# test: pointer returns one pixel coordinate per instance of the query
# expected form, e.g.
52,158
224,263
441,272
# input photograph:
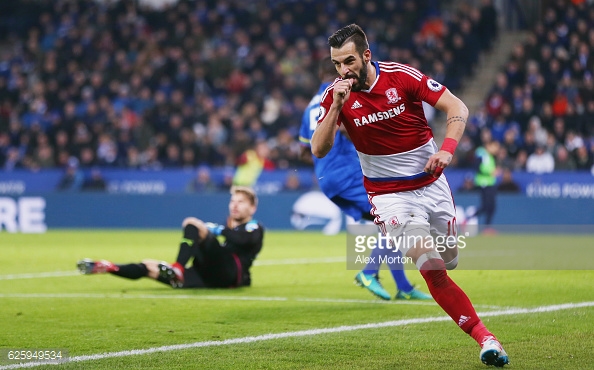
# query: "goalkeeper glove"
216,229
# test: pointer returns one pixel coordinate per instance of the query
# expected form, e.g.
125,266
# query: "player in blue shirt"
340,178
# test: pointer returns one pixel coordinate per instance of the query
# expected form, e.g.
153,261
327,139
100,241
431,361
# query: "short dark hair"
353,33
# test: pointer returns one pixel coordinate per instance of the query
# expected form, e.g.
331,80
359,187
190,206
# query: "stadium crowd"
199,83
541,107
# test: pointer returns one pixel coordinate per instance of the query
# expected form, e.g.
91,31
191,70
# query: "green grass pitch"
302,292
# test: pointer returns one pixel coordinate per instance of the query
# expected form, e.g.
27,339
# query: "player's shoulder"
400,70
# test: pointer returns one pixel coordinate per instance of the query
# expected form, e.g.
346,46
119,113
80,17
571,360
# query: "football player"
379,103
341,180
214,265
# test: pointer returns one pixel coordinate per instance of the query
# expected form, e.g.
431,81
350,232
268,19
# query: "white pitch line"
278,262
303,333
228,298
35,275
299,261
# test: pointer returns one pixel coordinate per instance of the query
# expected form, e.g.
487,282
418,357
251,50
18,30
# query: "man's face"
241,209
351,65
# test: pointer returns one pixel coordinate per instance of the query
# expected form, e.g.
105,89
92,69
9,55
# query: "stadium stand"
541,106
196,83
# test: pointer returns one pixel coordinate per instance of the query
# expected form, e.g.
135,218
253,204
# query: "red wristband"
449,145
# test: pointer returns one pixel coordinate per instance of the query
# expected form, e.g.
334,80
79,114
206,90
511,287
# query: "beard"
359,81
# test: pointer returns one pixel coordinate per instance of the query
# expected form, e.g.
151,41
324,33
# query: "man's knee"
452,264
192,221
194,228
449,254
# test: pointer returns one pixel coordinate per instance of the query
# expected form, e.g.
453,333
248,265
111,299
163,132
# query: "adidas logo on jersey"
463,319
356,105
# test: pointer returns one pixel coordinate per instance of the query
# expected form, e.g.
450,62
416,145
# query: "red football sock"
480,332
452,299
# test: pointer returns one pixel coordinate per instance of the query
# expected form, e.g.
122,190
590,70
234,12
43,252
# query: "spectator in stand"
172,156
72,179
521,159
563,161
468,185
583,158
132,86
487,25
540,161
507,183
202,181
549,76
511,142
95,182
293,183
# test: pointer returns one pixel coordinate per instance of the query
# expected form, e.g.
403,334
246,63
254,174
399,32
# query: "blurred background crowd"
541,107
198,83
87,83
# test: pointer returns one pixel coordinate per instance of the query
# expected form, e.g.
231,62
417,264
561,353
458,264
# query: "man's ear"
367,56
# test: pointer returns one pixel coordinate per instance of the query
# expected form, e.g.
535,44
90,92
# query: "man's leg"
405,289
217,266
193,278
489,201
369,276
194,231
157,270
395,261
403,214
452,299
133,271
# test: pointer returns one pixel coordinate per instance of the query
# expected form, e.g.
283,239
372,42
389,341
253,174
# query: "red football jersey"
388,127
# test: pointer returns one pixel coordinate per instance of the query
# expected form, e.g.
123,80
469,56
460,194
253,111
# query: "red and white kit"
390,132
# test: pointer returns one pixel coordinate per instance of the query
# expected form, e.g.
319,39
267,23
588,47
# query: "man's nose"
344,70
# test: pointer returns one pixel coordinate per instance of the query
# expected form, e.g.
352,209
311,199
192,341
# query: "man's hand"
323,136
216,229
438,162
342,91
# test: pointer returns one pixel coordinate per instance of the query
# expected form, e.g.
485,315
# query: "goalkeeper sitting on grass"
214,265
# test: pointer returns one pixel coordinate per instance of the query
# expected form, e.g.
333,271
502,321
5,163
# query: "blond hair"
247,191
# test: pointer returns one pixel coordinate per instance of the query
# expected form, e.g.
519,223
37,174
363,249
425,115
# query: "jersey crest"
392,95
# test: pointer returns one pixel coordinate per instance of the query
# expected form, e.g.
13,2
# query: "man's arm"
457,114
323,137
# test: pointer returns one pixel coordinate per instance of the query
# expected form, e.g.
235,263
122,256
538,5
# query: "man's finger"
438,171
